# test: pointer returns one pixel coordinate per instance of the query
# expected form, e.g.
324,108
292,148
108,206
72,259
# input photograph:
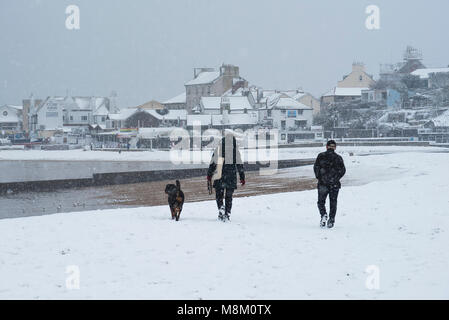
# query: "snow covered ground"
283,153
397,225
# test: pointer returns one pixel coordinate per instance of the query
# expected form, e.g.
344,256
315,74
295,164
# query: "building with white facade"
69,112
10,119
289,116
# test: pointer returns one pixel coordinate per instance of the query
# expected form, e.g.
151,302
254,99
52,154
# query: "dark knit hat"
331,142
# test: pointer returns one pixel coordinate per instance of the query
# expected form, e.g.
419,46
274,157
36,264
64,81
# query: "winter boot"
227,216
221,213
330,223
323,220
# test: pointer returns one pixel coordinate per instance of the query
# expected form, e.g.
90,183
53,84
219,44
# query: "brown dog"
175,199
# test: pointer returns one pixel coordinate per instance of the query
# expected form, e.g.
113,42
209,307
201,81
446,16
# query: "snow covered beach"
272,249
283,153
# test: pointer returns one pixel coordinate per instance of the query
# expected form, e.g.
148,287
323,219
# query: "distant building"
289,116
389,98
146,118
66,113
308,100
151,105
350,88
175,103
299,95
10,119
230,111
337,94
437,129
433,77
412,60
209,82
358,78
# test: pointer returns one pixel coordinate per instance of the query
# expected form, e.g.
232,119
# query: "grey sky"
146,49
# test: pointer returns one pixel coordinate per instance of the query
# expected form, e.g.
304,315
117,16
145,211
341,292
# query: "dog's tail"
178,185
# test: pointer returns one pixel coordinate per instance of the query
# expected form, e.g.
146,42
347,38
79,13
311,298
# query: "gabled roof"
290,103
283,101
180,98
101,111
123,114
235,102
150,105
204,78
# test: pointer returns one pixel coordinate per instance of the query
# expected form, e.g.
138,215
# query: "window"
103,119
283,124
291,114
361,78
299,111
51,114
83,118
269,113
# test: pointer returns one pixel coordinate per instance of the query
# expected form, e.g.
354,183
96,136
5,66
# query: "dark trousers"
323,192
219,194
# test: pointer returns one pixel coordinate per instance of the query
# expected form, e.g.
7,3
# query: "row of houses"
405,101
220,98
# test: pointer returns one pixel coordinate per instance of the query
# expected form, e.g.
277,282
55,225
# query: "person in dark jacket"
223,173
329,169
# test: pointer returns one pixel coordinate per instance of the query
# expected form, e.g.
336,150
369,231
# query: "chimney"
358,66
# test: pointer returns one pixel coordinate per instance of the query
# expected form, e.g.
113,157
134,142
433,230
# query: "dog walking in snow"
175,199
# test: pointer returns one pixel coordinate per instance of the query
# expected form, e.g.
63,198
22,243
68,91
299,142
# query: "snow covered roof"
337,91
424,73
235,102
283,101
171,115
89,103
290,103
204,78
298,95
180,98
122,115
442,120
102,111
15,107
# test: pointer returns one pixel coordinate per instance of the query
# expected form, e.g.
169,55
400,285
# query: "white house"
56,113
50,114
229,104
10,119
287,115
